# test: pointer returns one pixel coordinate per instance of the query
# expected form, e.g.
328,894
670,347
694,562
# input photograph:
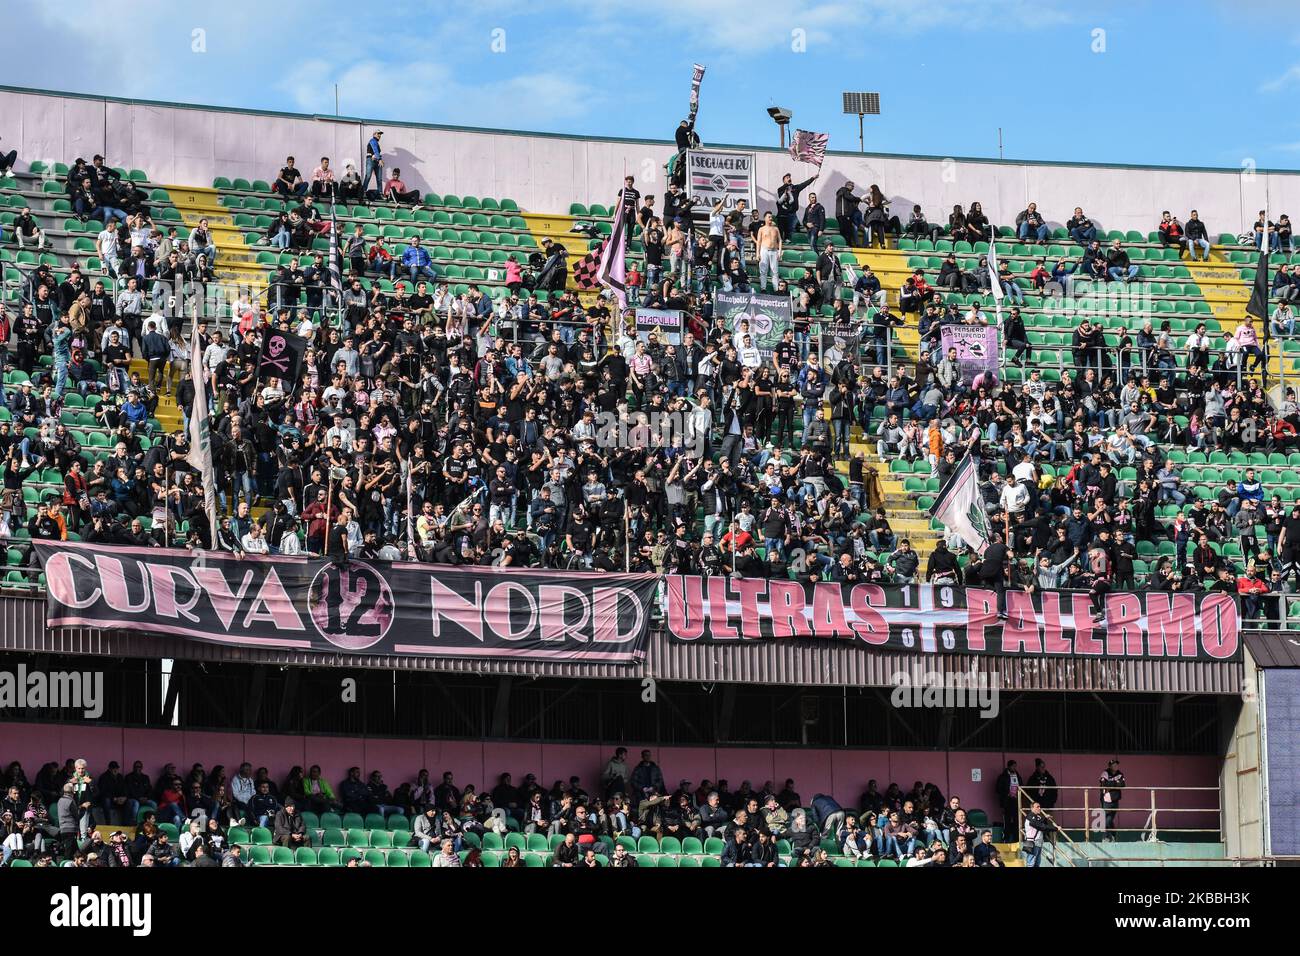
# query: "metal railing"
1096,817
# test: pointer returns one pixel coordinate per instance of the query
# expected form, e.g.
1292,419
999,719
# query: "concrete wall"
843,773
191,145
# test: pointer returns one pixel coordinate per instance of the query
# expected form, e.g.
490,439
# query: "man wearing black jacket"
847,213
787,203
676,205
1008,786
1042,785
942,562
992,572
1197,236
119,808
814,220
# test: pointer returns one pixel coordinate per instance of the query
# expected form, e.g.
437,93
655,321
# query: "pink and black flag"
613,266
586,273
808,147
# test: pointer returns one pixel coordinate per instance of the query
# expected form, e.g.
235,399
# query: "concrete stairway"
236,263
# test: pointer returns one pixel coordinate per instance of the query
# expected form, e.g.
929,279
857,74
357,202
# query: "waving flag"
995,284
613,266
808,147
587,272
336,275
696,78
1258,304
200,453
960,506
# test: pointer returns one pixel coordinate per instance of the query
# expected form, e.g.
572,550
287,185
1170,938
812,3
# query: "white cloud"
430,92
1278,83
748,26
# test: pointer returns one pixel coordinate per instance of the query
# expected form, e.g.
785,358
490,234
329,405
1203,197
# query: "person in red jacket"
1250,586
1171,231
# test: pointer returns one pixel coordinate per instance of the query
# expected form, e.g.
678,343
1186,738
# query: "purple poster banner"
977,349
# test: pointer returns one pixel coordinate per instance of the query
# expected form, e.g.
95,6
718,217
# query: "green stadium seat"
282,856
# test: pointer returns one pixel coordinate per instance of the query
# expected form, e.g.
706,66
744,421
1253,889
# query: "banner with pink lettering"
399,608
943,619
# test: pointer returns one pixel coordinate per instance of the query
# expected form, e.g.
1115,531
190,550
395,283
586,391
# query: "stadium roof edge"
364,120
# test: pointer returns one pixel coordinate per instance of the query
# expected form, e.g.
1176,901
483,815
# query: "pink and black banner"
399,608
291,603
944,619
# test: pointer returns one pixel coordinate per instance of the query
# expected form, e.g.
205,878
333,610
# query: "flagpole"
336,274
410,520
1265,321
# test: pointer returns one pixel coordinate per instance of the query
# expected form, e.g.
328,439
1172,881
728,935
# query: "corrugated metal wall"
791,663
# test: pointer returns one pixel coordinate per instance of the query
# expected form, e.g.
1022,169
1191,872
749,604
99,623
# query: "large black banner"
944,619
376,608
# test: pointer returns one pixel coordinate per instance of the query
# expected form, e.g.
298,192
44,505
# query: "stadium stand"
486,256
121,819
1127,438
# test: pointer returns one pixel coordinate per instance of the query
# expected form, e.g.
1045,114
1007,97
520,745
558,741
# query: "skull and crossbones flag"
282,354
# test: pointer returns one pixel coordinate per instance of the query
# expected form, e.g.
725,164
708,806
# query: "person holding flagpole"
787,202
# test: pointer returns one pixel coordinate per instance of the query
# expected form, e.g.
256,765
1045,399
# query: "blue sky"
1208,83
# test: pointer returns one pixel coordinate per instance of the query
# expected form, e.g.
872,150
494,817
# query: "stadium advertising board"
320,605
713,174
953,620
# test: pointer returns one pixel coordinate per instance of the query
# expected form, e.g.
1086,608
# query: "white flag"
994,281
961,509
200,454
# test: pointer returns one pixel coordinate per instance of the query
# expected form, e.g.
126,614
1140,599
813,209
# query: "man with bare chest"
769,252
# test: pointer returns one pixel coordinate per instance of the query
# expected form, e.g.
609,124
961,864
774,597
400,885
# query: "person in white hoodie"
289,542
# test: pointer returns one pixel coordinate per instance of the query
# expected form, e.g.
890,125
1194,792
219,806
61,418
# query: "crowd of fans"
530,430
197,818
